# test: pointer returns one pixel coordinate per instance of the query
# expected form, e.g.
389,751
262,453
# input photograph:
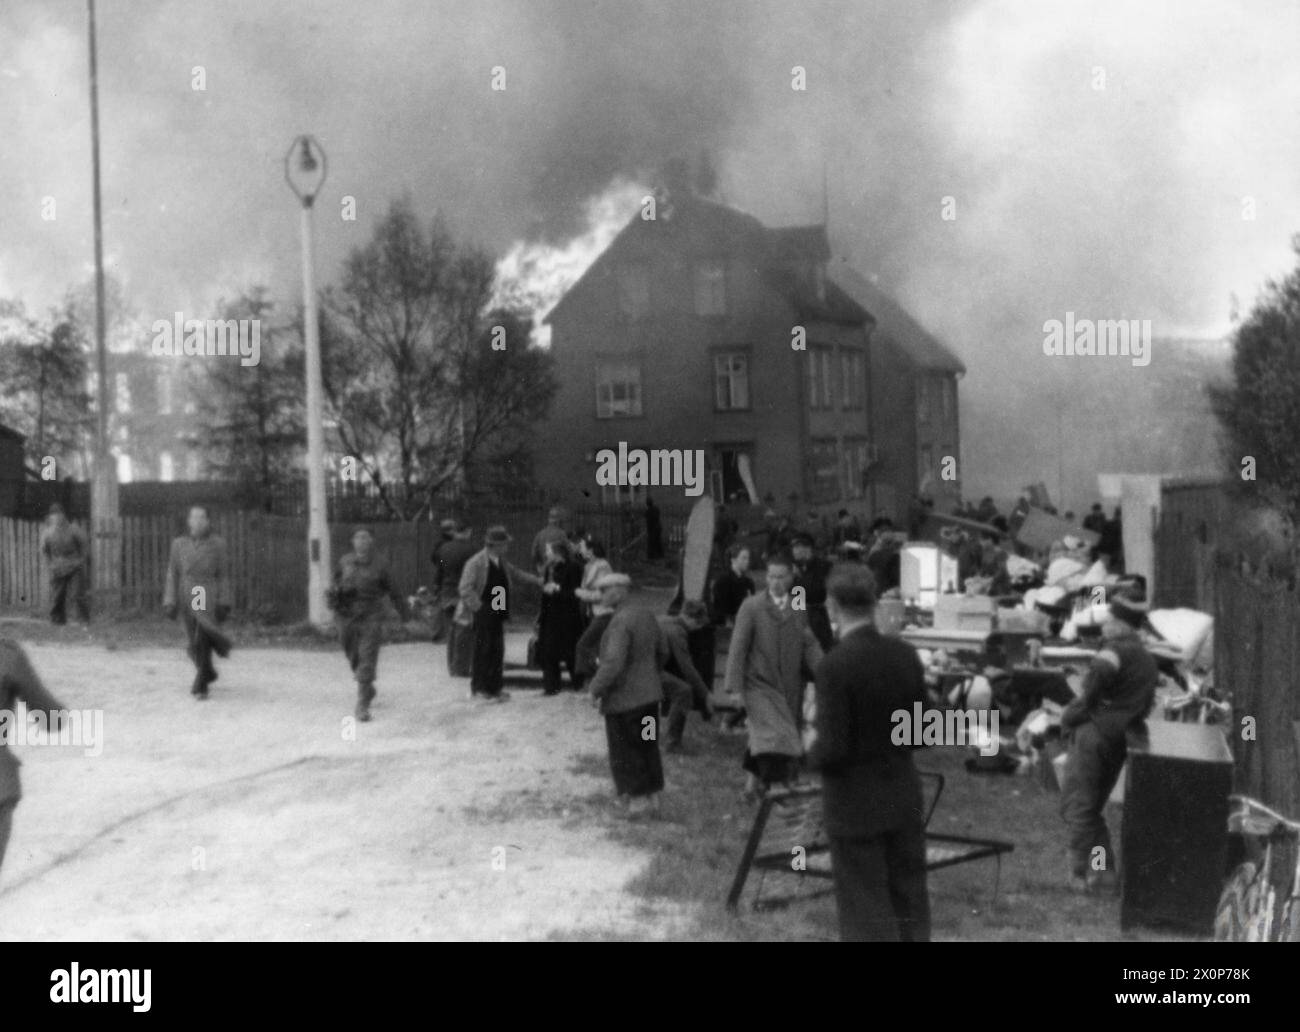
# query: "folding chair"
789,827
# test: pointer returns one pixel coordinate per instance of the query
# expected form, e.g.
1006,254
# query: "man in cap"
628,690
1118,693
361,583
197,586
485,587
65,549
18,683
451,557
553,531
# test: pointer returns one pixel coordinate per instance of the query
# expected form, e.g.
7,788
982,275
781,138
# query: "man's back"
870,784
632,653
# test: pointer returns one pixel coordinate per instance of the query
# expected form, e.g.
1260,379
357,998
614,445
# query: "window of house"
855,467
711,288
164,394
634,291
122,392
853,374
731,381
124,469
949,399
925,464
618,389
192,466
166,468
923,398
821,389
824,463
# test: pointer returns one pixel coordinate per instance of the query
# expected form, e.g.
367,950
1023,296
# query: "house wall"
676,348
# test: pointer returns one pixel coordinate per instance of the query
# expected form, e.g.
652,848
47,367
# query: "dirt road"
267,814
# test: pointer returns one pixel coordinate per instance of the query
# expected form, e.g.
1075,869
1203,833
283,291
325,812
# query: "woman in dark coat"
559,626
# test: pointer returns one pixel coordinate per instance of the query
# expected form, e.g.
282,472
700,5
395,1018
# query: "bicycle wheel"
1289,929
1233,912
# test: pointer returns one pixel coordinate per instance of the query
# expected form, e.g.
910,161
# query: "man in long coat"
773,654
486,585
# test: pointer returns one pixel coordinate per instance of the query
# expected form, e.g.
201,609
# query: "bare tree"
429,388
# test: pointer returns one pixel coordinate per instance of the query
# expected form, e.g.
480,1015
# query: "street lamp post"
304,170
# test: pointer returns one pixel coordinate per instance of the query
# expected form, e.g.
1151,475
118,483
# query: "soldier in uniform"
18,681
198,587
361,583
65,549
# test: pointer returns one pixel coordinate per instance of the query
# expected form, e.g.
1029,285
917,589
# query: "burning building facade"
700,328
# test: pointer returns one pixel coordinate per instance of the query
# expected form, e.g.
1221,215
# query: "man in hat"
197,586
451,558
485,587
810,572
553,531
361,583
1118,693
18,683
65,549
628,690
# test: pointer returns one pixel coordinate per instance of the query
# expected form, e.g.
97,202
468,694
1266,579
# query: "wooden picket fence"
267,554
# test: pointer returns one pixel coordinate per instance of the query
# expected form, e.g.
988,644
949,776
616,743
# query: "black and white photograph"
717,471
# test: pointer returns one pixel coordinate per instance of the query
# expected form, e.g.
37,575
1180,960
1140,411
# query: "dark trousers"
73,584
460,648
487,669
819,622
1091,771
6,825
362,637
681,699
199,651
880,889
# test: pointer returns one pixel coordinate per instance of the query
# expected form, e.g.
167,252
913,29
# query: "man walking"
451,558
198,587
684,686
486,584
361,583
870,789
65,549
1118,693
628,691
18,683
772,654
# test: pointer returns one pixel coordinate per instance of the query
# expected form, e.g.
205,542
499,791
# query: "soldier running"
196,577
361,583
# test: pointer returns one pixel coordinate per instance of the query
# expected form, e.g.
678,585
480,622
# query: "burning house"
701,328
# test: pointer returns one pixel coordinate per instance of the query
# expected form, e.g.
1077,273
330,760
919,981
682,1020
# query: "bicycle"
1247,910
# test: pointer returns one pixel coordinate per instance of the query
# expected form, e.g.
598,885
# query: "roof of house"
734,231
11,433
918,344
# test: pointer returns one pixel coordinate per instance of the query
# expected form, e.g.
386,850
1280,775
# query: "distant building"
12,470
704,329
151,415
